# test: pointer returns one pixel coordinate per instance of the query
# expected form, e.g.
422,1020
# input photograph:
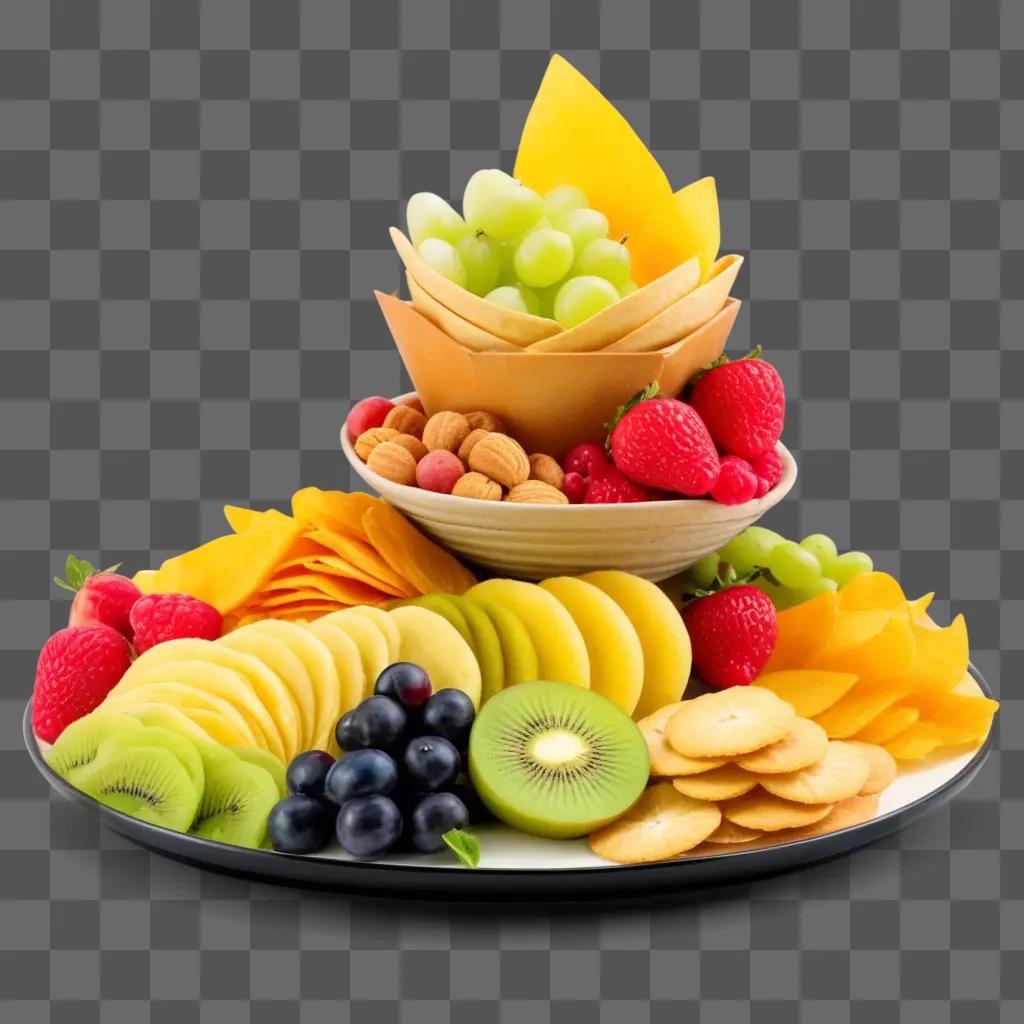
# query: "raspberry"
157,618
736,483
575,488
768,466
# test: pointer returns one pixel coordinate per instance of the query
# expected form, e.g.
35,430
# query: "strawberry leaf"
754,353
725,579
651,391
77,571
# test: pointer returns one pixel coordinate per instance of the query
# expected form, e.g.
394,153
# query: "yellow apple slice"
370,640
663,637
561,651
435,645
347,663
382,621
616,657
168,717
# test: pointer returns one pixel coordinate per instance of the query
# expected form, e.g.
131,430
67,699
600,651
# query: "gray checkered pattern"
193,208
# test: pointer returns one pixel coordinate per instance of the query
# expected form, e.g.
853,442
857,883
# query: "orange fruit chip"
958,717
664,760
882,766
940,656
873,644
914,743
348,553
337,511
802,631
916,609
765,812
810,691
662,824
862,705
803,745
887,724
729,722
335,588
873,590
839,774
720,784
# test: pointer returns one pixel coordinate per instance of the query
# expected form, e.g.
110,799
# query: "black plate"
434,883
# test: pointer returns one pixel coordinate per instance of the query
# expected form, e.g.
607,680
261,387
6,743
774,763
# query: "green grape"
441,255
581,297
819,586
583,227
481,190
521,299
849,565
628,288
543,257
480,257
531,297
506,258
822,547
500,206
792,566
429,216
607,259
546,298
562,199
750,549
704,571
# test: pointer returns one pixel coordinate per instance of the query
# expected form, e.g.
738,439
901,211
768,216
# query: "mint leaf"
465,846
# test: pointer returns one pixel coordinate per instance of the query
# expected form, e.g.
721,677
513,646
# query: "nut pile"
468,455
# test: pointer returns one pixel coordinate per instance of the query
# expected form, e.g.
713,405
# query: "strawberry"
613,487
736,483
160,617
663,443
78,666
743,404
768,467
101,598
732,632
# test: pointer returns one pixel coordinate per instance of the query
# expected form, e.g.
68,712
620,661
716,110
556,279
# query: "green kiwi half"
180,746
79,744
556,760
265,759
236,801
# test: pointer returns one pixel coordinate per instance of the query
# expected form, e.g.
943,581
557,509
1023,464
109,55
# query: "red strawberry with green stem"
101,597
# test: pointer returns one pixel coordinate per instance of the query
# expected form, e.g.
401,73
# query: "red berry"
574,487
366,415
736,482
587,459
77,668
157,618
439,470
613,487
762,487
101,598
768,466
732,633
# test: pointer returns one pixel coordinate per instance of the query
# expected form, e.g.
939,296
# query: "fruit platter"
556,654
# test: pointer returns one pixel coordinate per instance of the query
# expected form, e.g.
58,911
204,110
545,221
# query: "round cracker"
760,810
662,824
839,774
720,784
729,722
882,766
802,746
729,833
664,760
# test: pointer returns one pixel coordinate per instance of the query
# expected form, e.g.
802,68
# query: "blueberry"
434,815
307,772
406,683
300,824
369,826
361,773
449,713
381,722
431,763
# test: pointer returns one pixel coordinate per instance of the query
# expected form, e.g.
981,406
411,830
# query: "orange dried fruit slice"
940,657
914,743
358,559
337,511
729,722
765,812
887,724
916,609
720,784
802,631
803,745
872,644
882,766
662,824
873,590
958,717
861,706
810,691
664,760
839,774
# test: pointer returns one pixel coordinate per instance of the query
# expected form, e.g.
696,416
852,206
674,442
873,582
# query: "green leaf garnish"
464,845
78,570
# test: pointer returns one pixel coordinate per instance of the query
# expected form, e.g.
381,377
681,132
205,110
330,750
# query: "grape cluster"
397,780
547,255
795,572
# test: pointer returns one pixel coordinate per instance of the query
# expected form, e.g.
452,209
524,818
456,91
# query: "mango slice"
957,718
941,656
875,644
888,724
914,743
802,631
863,704
810,691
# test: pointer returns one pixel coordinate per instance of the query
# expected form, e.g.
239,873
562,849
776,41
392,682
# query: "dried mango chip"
916,609
338,511
863,704
363,556
426,566
872,590
336,588
890,723
941,655
957,717
301,612
242,519
914,743
875,644
810,691
802,631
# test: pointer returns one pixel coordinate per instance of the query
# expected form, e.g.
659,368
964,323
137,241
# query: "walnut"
393,462
445,430
501,458
406,420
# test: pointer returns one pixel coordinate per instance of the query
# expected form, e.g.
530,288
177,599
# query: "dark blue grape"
307,772
382,722
431,763
360,773
300,824
434,815
369,827
406,683
350,733
449,713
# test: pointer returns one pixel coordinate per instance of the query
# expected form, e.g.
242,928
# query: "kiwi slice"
265,759
166,739
235,804
556,760
148,783
79,744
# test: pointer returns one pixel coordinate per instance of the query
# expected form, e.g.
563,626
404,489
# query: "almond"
471,439
485,421
536,492
445,430
413,445
501,458
545,468
369,439
393,462
406,420
476,485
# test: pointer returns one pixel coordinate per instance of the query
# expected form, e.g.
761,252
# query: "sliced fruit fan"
335,677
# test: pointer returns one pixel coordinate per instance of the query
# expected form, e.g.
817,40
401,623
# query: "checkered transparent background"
193,208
